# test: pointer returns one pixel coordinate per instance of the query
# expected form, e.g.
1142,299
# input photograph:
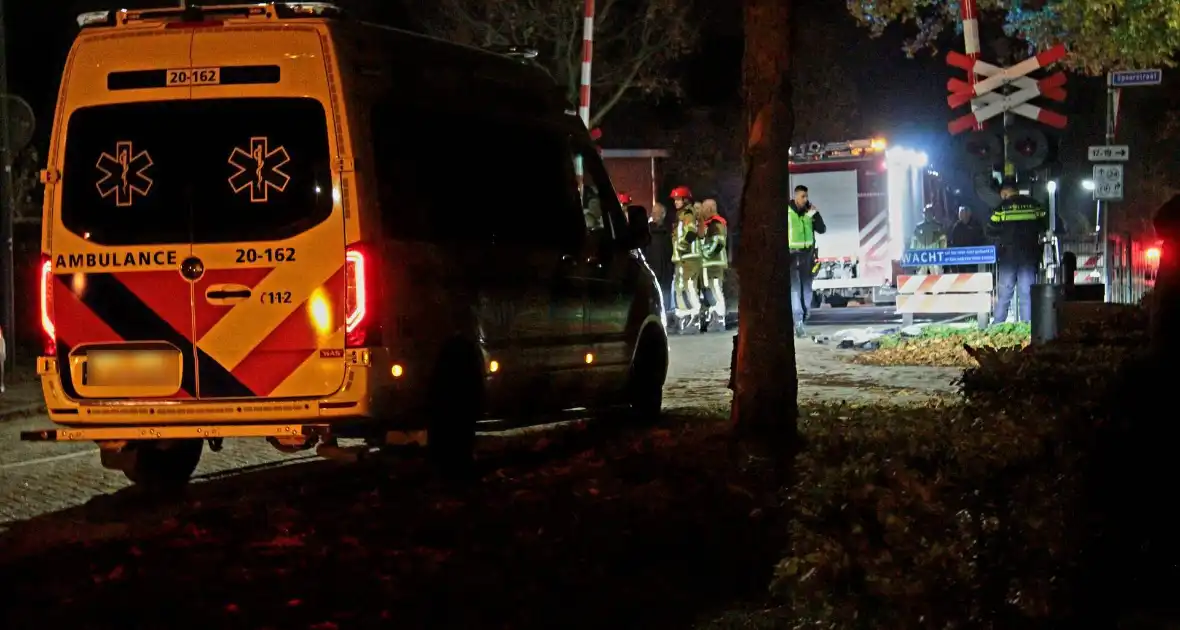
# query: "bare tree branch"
634,40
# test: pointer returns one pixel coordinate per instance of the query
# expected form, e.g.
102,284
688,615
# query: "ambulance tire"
159,464
649,370
454,406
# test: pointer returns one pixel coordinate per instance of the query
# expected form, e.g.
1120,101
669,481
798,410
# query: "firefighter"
714,262
686,256
681,198
929,235
1016,227
803,223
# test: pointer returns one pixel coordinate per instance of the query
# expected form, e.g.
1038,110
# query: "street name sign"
1110,153
1108,182
1135,78
982,255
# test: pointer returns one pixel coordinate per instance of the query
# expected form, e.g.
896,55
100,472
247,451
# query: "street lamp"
1088,184
1052,187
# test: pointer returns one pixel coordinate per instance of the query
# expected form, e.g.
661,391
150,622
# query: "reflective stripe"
800,233
1019,213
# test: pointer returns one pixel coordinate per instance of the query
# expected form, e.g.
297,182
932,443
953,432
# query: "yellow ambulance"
273,221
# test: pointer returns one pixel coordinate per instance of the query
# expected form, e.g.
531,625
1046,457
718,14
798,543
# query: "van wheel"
161,463
454,406
649,369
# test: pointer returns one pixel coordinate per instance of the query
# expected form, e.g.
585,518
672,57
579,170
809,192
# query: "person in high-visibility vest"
803,223
714,262
1016,227
686,255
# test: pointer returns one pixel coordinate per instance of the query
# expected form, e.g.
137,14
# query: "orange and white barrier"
945,293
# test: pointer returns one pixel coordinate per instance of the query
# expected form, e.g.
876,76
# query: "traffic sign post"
1108,182
1110,153
1113,191
1136,78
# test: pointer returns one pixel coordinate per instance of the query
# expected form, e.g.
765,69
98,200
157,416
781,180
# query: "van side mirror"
638,231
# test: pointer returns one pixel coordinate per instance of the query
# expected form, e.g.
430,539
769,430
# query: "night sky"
901,98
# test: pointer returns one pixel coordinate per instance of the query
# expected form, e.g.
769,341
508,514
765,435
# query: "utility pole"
1112,112
7,198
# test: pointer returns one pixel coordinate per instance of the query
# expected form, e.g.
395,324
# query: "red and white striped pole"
970,15
587,56
584,90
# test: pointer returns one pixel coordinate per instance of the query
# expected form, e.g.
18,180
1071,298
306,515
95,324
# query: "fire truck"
871,197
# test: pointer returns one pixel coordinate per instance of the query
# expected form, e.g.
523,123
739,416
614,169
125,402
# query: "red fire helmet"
681,192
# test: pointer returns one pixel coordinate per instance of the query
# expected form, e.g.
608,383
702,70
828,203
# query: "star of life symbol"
124,174
259,169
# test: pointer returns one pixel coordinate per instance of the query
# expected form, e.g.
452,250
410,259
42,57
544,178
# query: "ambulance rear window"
202,171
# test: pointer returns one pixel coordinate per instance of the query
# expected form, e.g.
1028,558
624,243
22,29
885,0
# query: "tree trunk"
765,405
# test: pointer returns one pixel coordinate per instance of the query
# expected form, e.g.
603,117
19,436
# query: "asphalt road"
40,478
37,478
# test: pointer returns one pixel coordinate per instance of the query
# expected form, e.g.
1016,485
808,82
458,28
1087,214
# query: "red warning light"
1153,254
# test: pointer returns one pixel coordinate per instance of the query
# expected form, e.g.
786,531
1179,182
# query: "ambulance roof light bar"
815,151
281,10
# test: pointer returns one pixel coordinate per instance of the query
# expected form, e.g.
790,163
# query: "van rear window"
205,171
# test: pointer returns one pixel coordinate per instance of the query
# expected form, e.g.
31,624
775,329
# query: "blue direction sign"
1135,78
982,255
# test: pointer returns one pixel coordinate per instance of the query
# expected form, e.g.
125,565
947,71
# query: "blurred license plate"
132,368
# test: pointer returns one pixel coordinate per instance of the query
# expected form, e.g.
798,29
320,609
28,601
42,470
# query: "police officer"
714,262
1016,227
803,223
686,256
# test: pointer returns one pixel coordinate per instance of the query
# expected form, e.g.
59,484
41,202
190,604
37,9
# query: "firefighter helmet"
681,192
624,199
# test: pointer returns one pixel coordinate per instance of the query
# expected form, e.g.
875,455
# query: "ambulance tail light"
361,326
48,326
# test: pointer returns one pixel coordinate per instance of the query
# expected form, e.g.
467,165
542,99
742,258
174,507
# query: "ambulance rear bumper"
111,434
261,417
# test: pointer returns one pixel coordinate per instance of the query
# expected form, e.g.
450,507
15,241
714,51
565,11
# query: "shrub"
986,513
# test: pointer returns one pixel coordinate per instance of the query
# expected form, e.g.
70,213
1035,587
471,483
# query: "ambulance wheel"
817,300
454,406
649,370
161,463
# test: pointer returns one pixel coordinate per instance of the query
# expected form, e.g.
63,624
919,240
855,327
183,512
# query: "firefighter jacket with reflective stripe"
713,249
801,229
928,235
1016,227
686,245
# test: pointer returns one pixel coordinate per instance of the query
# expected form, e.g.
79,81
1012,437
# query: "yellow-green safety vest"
1018,212
800,234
